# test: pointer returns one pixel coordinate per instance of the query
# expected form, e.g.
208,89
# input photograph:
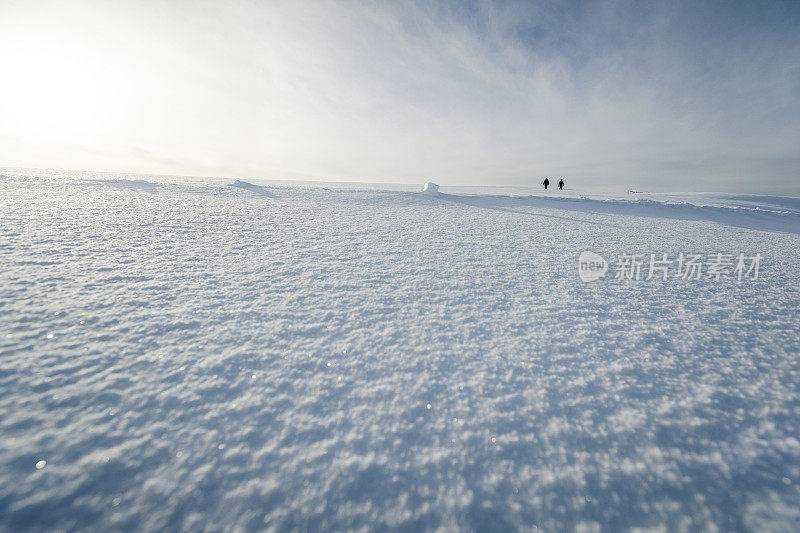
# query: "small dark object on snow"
546,182
560,184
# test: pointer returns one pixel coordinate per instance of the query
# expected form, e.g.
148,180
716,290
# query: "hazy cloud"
610,95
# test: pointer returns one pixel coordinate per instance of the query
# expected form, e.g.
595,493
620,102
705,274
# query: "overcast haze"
611,95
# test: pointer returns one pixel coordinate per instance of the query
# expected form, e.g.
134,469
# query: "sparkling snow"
190,354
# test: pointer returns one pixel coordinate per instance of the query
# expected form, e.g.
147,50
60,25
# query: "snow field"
190,355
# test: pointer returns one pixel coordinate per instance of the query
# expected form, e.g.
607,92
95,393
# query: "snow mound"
431,188
258,189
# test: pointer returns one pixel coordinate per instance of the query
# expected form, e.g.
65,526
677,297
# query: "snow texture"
179,354
431,188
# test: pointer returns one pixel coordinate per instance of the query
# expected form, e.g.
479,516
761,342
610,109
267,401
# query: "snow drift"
258,189
430,188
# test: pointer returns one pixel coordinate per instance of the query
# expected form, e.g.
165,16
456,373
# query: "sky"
652,96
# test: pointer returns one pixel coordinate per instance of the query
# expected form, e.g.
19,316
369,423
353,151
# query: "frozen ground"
200,356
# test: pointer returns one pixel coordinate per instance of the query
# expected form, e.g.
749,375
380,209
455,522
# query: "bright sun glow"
52,89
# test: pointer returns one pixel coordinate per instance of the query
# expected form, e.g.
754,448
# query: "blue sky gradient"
610,95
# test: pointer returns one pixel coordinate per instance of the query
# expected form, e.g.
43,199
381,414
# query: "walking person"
546,182
560,184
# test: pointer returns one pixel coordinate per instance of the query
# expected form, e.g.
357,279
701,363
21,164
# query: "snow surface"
179,354
431,188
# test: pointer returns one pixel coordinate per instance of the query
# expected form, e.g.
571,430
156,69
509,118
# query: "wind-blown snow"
189,355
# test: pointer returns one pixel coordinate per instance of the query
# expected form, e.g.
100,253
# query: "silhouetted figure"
546,182
560,184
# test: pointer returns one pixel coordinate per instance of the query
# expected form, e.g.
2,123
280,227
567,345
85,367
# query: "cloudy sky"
609,95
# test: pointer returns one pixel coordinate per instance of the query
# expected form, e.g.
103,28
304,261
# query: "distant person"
560,184
546,182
